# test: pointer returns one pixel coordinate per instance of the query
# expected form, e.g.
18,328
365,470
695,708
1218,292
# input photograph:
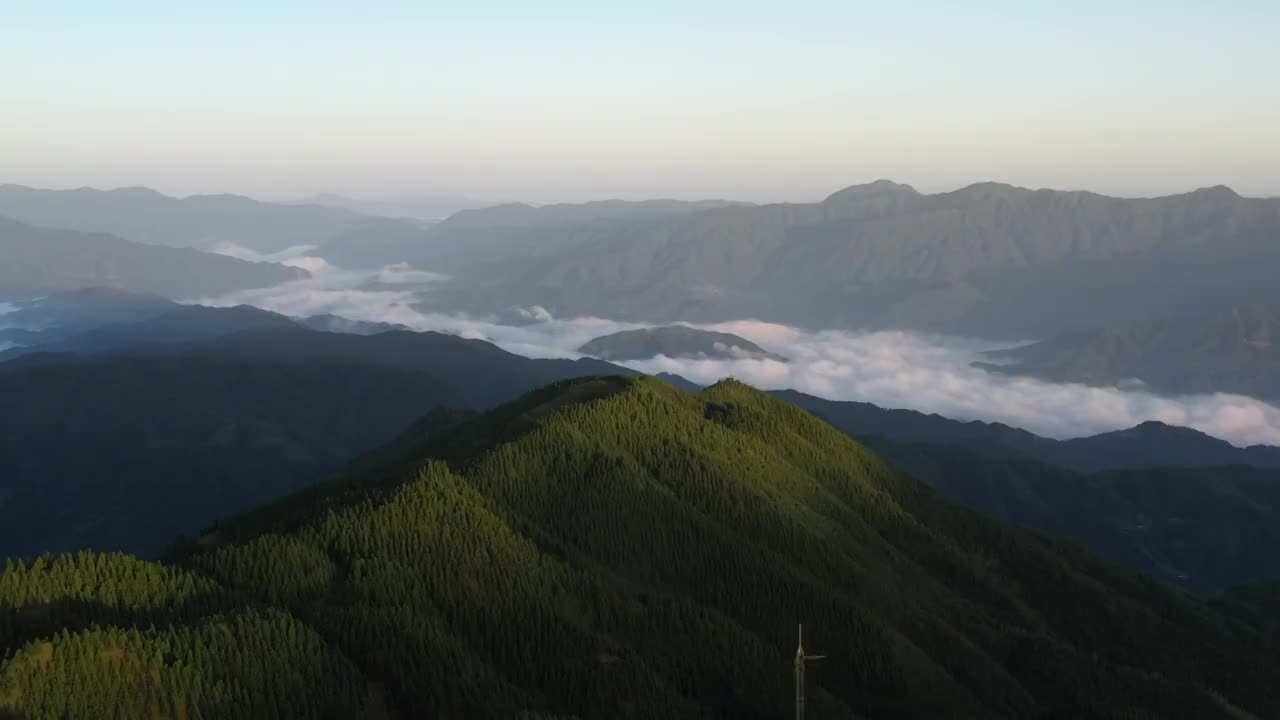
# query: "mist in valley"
930,373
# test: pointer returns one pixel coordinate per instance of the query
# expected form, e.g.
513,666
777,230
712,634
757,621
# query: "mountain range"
989,260
621,548
428,208
145,216
37,259
472,240
1230,350
1149,444
986,260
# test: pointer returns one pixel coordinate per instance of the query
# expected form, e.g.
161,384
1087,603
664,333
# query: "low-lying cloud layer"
405,274
892,369
241,252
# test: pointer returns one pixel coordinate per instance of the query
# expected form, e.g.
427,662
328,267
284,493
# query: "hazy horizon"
572,101
464,200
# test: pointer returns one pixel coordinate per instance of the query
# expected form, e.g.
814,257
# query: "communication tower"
801,659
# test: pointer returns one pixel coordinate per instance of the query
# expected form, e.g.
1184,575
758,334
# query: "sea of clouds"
892,369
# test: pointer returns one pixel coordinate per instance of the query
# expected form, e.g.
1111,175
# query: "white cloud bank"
890,369
405,274
241,252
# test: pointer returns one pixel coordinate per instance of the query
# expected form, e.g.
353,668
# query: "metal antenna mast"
801,658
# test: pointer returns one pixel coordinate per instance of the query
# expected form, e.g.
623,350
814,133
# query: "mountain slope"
55,316
134,639
126,453
990,260
167,331
619,548
418,207
202,221
123,436
482,373
38,258
1232,350
475,239
1201,528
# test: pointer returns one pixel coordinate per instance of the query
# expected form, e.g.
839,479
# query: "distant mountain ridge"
418,207
146,216
474,239
1232,350
94,320
44,259
988,260
1149,444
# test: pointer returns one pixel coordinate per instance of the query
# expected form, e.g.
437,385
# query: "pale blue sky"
574,100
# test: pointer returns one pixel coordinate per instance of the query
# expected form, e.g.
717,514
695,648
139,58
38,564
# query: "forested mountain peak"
617,547
652,549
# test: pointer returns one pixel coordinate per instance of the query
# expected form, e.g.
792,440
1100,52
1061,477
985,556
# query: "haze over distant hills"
476,239
419,207
201,221
1230,350
35,258
989,259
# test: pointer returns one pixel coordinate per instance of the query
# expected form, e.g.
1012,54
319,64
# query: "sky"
568,101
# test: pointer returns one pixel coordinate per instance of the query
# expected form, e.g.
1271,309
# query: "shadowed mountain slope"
42,259
1150,444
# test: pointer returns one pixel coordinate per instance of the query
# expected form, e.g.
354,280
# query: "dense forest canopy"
620,548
